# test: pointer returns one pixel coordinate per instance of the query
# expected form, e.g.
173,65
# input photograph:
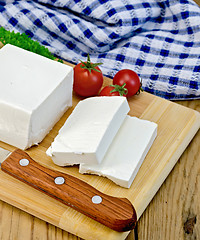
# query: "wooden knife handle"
115,213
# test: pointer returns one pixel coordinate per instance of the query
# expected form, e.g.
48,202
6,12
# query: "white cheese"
89,131
126,153
34,94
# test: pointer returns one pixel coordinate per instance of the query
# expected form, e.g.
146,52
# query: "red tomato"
107,91
113,90
88,78
131,79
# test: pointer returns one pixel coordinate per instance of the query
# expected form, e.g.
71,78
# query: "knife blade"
114,212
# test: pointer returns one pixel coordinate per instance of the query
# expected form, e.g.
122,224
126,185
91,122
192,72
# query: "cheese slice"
126,153
34,93
89,131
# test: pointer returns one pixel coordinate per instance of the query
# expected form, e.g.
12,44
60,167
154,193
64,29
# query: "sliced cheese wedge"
34,93
126,153
89,130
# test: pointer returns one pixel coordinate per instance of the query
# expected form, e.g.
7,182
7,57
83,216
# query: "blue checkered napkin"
160,40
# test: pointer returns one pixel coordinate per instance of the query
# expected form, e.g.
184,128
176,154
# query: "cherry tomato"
131,79
88,78
113,90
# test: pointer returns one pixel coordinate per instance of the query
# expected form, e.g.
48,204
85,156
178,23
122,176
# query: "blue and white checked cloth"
160,40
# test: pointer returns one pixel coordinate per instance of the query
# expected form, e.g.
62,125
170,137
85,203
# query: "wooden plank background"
162,213
174,212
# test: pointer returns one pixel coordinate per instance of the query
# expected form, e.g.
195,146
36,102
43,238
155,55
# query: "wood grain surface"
174,212
177,126
115,213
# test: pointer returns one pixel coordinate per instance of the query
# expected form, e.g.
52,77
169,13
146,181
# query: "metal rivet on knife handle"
24,162
114,212
96,199
59,180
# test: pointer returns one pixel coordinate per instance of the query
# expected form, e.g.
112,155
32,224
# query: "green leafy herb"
60,60
25,42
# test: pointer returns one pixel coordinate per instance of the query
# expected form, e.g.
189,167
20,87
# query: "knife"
115,213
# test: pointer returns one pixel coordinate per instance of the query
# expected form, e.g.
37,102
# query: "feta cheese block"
34,93
126,153
89,131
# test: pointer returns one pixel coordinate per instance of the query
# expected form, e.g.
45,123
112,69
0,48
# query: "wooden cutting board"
177,125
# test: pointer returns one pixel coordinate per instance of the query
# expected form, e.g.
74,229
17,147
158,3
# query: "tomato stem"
120,89
140,89
90,66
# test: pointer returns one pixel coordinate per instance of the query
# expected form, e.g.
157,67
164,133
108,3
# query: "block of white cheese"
126,153
34,94
89,131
